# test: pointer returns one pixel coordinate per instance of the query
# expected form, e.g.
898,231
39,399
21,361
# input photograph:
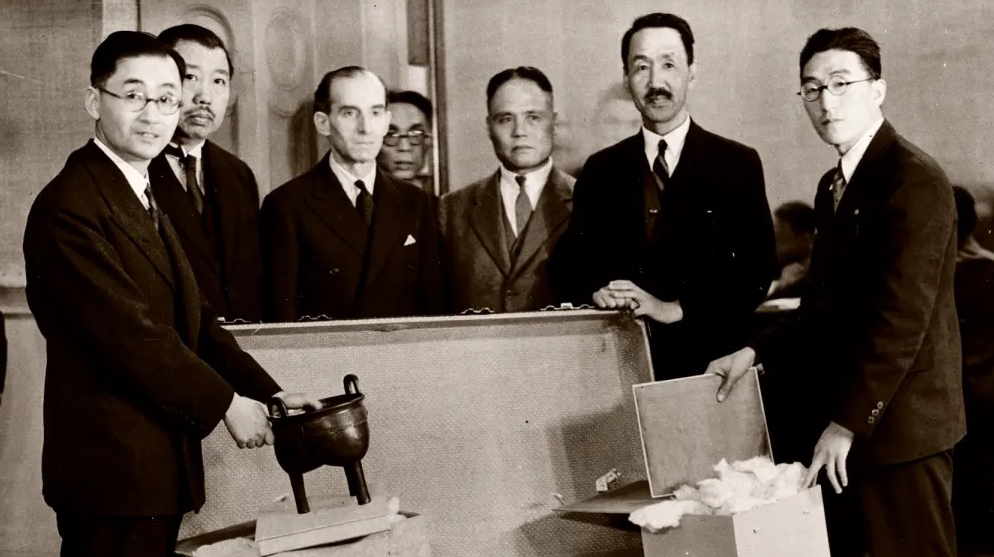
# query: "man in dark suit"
346,240
210,195
673,222
138,370
497,233
878,341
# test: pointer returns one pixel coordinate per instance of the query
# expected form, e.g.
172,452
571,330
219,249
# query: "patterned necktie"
660,168
522,206
838,186
153,207
364,203
189,163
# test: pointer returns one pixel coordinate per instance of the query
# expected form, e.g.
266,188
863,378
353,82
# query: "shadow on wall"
616,118
303,153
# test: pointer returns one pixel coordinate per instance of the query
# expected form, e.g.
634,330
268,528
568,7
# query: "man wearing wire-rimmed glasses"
407,145
138,370
877,347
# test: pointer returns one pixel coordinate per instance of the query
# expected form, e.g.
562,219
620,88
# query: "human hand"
642,303
731,368
248,423
296,401
605,300
831,452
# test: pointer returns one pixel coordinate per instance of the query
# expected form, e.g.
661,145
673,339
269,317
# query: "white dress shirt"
180,170
136,180
851,159
675,140
347,179
534,182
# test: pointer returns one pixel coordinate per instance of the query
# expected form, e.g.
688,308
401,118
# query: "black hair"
196,34
848,38
798,215
966,212
322,95
414,98
120,45
530,73
658,19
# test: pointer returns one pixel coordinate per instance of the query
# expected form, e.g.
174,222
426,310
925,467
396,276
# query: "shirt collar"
675,140
348,180
136,180
535,178
850,160
196,150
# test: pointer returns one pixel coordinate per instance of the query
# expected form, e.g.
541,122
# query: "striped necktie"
838,185
153,207
660,168
522,206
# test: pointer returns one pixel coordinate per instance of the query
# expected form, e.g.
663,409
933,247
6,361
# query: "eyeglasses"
836,86
136,101
416,137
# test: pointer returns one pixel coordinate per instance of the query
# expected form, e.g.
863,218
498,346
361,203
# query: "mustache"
202,111
657,92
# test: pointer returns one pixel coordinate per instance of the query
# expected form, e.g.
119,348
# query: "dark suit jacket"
712,248
228,266
480,271
138,369
315,248
878,333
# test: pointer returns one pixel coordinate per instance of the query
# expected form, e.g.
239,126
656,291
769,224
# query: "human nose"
519,128
404,143
201,94
656,77
150,114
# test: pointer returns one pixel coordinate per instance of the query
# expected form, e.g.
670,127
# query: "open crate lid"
685,431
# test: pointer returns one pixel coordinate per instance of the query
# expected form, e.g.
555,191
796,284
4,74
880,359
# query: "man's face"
658,77
521,123
404,160
357,120
136,136
206,89
841,120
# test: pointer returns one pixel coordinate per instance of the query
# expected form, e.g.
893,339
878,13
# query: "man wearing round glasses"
138,370
878,338
407,144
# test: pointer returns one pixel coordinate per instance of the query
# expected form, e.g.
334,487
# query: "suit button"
880,405
870,420
874,412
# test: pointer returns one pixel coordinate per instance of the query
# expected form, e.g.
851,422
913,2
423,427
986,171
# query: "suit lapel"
691,156
172,198
388,213
551,212
864,170
216,174
330,203
487,223
127,210
188,290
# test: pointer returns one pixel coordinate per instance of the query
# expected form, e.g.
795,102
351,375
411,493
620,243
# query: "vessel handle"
353,381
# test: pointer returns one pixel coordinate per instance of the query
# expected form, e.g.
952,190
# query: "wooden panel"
483,423
685,431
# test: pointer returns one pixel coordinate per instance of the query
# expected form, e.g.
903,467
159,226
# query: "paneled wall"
934,60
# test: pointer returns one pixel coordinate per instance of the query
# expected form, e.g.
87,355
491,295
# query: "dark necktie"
153,207
364,203
660,168
838,185
189,163
522,205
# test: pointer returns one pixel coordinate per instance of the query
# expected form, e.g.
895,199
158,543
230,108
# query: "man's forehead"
151,71
657,41
406,114
199,56
358,90
831,62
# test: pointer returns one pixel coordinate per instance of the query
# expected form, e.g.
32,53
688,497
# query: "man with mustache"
671,223
346,240
498,232
210,194
875,351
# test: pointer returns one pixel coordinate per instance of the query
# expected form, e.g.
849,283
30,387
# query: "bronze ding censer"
335,435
